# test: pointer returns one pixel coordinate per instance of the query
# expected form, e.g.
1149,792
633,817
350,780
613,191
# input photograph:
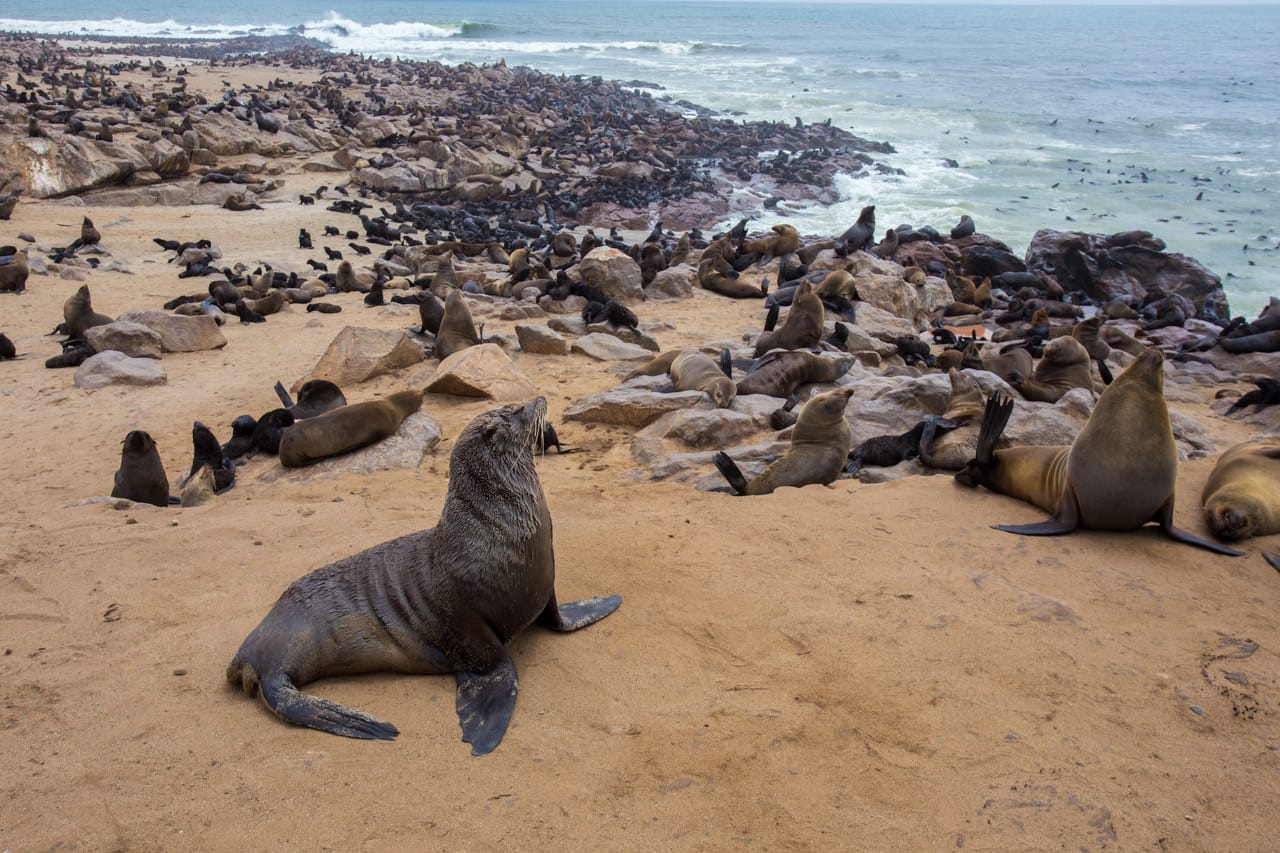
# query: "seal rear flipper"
285,399
726,363
1104,371
301,709
1164,517
1273,559
1064,520
577,614
485,703
730,471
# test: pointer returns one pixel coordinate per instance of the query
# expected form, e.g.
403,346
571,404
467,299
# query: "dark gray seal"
141,476
442,600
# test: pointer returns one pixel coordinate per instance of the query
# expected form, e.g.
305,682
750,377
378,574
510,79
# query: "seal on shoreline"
442,600
1242,496
1118,474
141,476
345,428
819,447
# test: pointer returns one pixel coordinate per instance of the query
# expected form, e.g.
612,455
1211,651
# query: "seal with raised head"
819,447
457,329
1065,366
803,326
345,428
953,449
79,315
141,476
442,600
1242,496
1118,474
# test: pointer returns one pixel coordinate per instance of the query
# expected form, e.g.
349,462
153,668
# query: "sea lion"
207,453
1267,394
779,374
7,349
141,476
346,279
784,240
345,428
952,450
885,451
269,429
442,600
267,305
88,233
819,447
1065,366
241,441
79,315
1088,333
691,370
860,234
1118,474
1261,342
888,247
801,329
457,330
14,272
1242,496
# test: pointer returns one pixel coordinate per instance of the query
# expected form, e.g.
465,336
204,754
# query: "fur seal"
241,441
1065,366
964,228
14,273
784,240
1261,342
952,450
79,315
779,374
1267,394
315,397
716,274
1242,496
207,453
457,330
7,349
819,447
442,600
345,428
141,476
860,234
1118,474
801,329
269,429
690,370
199,488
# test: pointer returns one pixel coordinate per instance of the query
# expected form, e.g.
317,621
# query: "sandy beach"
861,666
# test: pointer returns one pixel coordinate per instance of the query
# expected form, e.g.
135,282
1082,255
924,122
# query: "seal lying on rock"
1118,474
442,600
345,428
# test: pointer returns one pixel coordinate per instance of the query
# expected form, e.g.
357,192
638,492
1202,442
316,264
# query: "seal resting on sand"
442,600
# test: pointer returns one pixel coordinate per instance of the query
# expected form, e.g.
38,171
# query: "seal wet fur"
442,600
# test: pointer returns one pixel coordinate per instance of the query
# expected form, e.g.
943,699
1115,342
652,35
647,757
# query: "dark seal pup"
141,476
442,600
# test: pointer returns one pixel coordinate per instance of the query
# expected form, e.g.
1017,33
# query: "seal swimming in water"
442,600
1118,474
345,428
141,476
1242,496
819,447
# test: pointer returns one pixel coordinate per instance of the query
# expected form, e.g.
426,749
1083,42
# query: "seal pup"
345,428
140,477
819,447
207,453
79,315
241,441
7,349
442,600
457,330
1242,496
1118,474
1268,394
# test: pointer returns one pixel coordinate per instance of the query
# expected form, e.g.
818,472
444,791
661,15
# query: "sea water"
1098,118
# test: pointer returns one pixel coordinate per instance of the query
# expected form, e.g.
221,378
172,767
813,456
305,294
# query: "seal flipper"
729,469
301,709
1164,517
485,703
1103,371
726,363
285,399
1064,520
1273,559
577,614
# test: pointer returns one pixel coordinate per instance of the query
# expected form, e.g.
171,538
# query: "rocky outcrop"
178,333
358,354
116,368
132,339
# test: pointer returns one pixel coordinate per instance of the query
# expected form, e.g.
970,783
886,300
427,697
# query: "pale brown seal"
784,240
691,370
779,374
952,450
718,275
141,476
1118,474
442,600
79,315
1242,496
457,329
345,428
819,447
801,329
1064,366
14,273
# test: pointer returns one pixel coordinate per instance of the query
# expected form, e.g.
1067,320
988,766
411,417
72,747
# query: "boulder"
179,333
630,406
541,340
132,339
483,370
614,273
625,334
609,348
357,354
116,368
673,283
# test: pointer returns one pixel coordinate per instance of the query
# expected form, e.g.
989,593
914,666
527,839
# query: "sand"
853,667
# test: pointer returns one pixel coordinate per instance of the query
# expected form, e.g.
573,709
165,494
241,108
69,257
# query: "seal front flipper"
577,614
1273,559
1164,517
285,399
1064,520
301,709
485,703
730,471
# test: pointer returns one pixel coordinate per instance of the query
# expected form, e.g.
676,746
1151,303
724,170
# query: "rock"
699,427
1049,423
614,273
872,474
483,370
1261,363
522,312
570,305
568,325
673,283
541,340
609,348
417,436
116,368
132,339
179,333
629,406
881,323
625,334
358,354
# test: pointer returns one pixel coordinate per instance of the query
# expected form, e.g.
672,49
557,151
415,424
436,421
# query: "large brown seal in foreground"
819,448
1242,497
1118,474
345,428
441,600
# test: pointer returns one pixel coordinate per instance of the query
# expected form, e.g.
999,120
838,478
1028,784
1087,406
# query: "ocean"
1098,118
